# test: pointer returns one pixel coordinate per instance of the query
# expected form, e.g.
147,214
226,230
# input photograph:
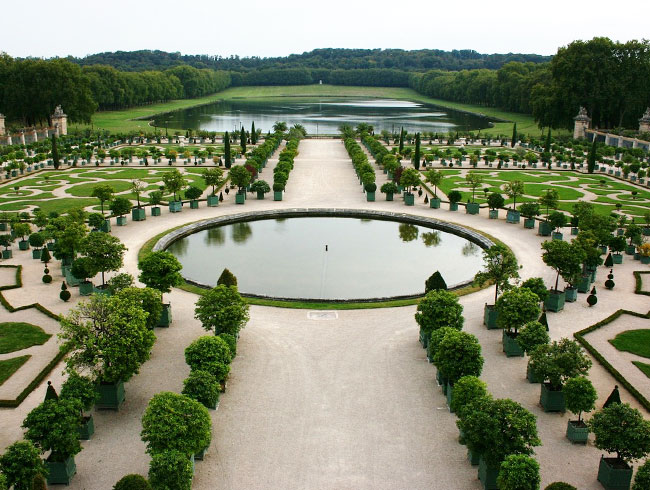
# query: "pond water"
327,258
321,115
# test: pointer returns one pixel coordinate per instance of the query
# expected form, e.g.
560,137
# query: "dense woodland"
610,79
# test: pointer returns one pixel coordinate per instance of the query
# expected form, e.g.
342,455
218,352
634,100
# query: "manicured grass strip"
85,190
645,368
65,204
15,336
10,366
580,337
634,341
638,286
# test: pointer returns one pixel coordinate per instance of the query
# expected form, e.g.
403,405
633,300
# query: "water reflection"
431,238
407,232
241,232
215,236
470,249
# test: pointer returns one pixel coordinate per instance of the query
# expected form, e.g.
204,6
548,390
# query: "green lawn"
645,368
634,341
123,121
16,336
86,190
10,366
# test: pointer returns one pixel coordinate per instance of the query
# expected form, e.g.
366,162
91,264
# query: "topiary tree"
120,206
560,485
621,429
202,387
105,252
537,286
132,482
642,478
519,472
170,470
513,190
435,282
231,340
239,177
80,388
227,278
409,179
557,220
174,182
95,220
559,361
222,310
45,254
474,181
260,186
64,294
193,193
566,258
120,281
173,422
458,355
454,196
433,341
149,299
495,201
516,307
532,335
439,308
210,354
433,177
500,267
580,395
36,239
467,390
20,463
529,209
103,192
213,177
161,271
108,336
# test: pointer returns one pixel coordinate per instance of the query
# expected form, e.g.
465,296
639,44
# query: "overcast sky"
49,28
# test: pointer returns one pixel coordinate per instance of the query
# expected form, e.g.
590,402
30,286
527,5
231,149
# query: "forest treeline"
608,78
328,58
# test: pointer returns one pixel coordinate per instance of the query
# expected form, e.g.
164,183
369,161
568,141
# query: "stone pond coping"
471,235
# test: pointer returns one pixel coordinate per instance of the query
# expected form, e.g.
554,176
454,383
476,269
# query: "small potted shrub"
557,220
532,335
20,464
549,200
389,188
260,187
278,189
193,193
36,240
566,258
174,182
82,269
370,189
6,241
154,199
619,429
555,363
515,307
171,470
642,478
617,245
529,210
132,482
580,396
213,177
138,212
439,308
21,230
495,202
468,391
474,181
222,310
513,190
83,389
119,207
203,387
409,179
500,266
454,198
161,271
519,472
434,177
210,354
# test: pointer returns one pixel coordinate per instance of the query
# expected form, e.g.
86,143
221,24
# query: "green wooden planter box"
370,196
424,339
138,214
510,346
494,214
409,199
106,226
617,258
389,196
277,195
87,428
434,203
490,315
630,249
545,228
86,288
577,432
557,235
36,253
613,475
155,211
574,231
555,301
260,195
584,283
23,245
121,221
240,198
3,226
532,376
194,204
453,206
645,260
111,395
7,253
551,401
60,472
473,457
200,455
102,290
513,216
166,316
472,208
450,395
213,201
70,279
529,223
570,294
175,206
487,475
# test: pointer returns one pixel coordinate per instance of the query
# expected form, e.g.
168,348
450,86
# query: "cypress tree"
514,135
416,156
401,141
591,158
547,145
226,149
253,134
242,140
55,152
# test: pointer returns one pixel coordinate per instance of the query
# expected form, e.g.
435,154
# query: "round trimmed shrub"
519,472
560,485
439,308
211,354
231,341
202,387
170,470
132,482
642,478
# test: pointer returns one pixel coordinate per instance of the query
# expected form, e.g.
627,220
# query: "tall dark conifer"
591,158
226,149
253,134
514,135
55,152
416,156
242,140
547,145
401,141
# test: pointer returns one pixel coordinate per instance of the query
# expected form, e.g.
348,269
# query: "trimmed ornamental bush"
96,220
83,268
389,188
161,271
47,279
566,258
80,388
20,463
560,485
439,308
150,300
458,355
52,426
170,470
495,201
435,282
64,294
559,361
193,193
119,282
105,252
173,422
227,278
231,341
621,429
211,354
467,390
120,206
580,395
454,196
222,310
642,478
45,255
532,335
132,482
519,472
537,286
500,266
436,338
202,387
529,209
36,239
516,307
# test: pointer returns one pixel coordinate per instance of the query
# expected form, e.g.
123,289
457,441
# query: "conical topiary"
64,294
435,282
227,278
614,397
609,261
543,320
51,393
592,299
45,255
46,276
609,283
426,199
